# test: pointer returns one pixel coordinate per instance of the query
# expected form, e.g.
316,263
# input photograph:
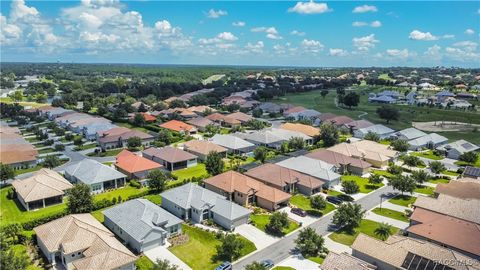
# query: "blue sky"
287,33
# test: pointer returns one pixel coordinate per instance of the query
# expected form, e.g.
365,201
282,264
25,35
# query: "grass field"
200,249
22,103
188,173
365,187
390,214
424,190
439,180
303,202
403,200
144,263
428,154
366,226
125,192
107,153
85,147
408,114
261,221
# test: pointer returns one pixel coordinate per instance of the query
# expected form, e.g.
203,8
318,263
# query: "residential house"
66,120
77,126
443,95
171,158
197,204
44,188
179,126
457,148
409,134
234,144
141,224
201,149
325,116
81,242
372,152
294,109
272,137
302,128
358,124
135,166
316,168
99,177
307,114
344,261
137,105
201,110
427,86
340,121
400,252
385,97
269,107
239,116
382,131
147,117
118,137
432,141
15,151
223,120
90,131
343,162
245,190
286,179
201,123
471,172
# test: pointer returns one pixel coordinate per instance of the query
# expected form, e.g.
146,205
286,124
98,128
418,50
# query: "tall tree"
388,113
351,99
51,161
134,142
231,247
138,120
384,230
6,172
277,222
79,199
310,243
157,180
350,187
400,145
163,265
374,179
214,163
260,154
329,134
348,216
372,136
402,183
436,167
420,176
318,202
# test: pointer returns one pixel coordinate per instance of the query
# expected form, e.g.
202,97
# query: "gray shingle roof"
271,135
90,171
229,210
411,133
462,146
310,166
231,142
432,137
139,217
378,129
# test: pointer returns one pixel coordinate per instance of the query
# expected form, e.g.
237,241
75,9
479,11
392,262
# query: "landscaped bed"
382,173
366,226
303,202
187,173
365,186
428,154
261,221
403,200
390,214
201,247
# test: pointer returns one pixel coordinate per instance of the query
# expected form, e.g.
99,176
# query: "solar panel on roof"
417,262
467,145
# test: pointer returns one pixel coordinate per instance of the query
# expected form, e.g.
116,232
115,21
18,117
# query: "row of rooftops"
14,148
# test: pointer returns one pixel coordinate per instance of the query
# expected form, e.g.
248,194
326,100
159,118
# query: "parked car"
267,264
334,200
298,211
224,266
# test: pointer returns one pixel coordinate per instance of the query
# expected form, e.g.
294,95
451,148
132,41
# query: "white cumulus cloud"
337,52
255,47
271,32
396,53
312,46
239,24
214,14
297,33
365,43
310,7
419,35
220,38
374,24
365,8
469,31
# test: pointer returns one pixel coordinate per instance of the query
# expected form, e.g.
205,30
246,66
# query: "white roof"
230,142
411,133
378,129
310,166
272,135
432,137
461,146
90,171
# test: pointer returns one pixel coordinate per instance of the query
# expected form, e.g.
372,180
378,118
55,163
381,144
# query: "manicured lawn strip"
382,173
450,173
33,169
366,226
365,186
303,202
125,192
427,154
424,190
283,268
318,260
154,198
85,147
390,214
107,153
130,126
200,249
98,215
46,150
32,140
144,263
384,142
12,211
261,221
463,163
332,192
187,173
439,180
21,251
403,200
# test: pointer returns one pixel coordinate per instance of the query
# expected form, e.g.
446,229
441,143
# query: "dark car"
267,264
224,266
298,211
334,200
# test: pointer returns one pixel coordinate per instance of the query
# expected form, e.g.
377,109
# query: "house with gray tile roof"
141,224
195,203
456,149
307,114
90,130
381,130
432,140
272,137
269,107
316,168
234,144
98,176
409,134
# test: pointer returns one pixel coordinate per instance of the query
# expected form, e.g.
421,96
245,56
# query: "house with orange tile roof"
179,126
302,128
135,166
146,116
343,162
245,190
240,116
15,151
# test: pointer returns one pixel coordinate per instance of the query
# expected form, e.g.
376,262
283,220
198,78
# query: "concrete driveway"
162,253
304,220
378,218
299,262
257,236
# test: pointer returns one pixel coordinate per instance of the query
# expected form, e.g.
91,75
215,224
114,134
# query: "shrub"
135,184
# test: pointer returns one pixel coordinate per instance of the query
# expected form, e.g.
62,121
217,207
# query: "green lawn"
144,263
384,142
21,251
46,150
154,198
424,190
382,173
200,249
318,260
450,173
303,202
428,154
261,221
403,200
125,192
332,192
187,173
130,126
85,147
107,153
365,187
33,169
391,214
283,268
12,211
32,140
463,163
98,215
439,180
366,226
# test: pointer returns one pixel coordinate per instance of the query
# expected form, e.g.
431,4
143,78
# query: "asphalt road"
280,250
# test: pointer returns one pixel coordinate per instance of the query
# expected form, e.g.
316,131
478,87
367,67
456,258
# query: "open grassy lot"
125,192
144,263
303,202
463,163
365,187
108,153
12,211
390,214
403,200
366,226
428,154
261,221
85,147
22,103
382,173
188,173
200,249
46,150
439,180
424,190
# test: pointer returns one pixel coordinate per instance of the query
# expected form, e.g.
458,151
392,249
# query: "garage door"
152,244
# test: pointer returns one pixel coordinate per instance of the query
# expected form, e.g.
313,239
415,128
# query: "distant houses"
382,131
170,158
316,168
118,138
15,151
235,145
432,141
201,149
135,166
457,148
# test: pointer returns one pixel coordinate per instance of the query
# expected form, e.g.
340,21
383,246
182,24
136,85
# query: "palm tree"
384,230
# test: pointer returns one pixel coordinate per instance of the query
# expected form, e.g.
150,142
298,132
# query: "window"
73,255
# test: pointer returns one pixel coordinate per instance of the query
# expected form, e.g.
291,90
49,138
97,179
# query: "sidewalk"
396,223
335,246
